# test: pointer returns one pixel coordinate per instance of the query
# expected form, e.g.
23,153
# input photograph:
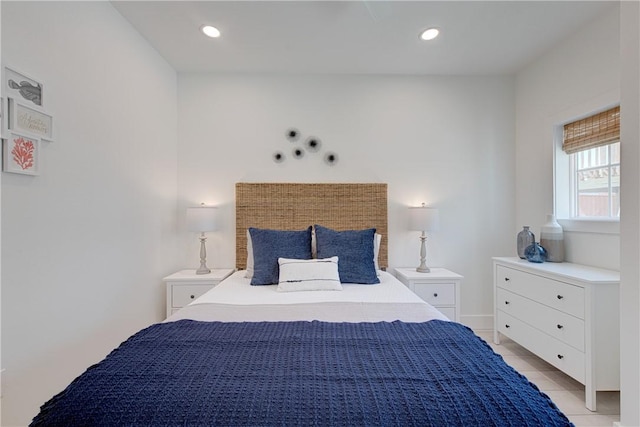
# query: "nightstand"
440,288
185,286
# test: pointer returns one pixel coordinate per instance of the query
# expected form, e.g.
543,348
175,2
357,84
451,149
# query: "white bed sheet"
235,300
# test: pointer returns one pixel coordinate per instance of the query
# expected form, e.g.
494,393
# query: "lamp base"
422,268
203,257
204,270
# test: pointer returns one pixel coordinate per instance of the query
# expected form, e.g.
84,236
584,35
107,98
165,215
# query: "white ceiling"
360,36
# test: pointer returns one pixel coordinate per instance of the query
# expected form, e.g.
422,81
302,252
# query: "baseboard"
478,322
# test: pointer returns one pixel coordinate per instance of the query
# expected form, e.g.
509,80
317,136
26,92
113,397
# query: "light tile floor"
566,393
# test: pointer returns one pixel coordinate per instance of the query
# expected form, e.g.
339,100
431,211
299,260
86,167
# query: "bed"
347,354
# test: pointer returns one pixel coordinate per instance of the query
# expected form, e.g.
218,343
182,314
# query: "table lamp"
202,219
423,218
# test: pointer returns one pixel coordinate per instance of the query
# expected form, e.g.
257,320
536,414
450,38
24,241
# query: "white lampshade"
422,218
201,218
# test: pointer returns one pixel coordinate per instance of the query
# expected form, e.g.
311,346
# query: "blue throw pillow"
354,249
269,245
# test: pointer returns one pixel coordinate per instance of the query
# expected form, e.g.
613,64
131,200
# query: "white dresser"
567,314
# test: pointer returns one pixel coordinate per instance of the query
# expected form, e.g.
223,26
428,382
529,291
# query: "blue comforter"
191,373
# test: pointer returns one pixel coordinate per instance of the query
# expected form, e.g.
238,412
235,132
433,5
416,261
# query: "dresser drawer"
450,312
183,295
555,352
553,293
436,294
562,326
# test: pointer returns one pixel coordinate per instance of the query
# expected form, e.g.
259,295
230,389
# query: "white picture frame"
23,87
23,118
3,117
21,154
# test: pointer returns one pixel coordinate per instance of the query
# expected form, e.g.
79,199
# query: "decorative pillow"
354,248
314,251
309,275
269,245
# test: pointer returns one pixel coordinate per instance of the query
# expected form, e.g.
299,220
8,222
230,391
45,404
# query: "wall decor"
313,144
331,158
19,86
25,119
21,154
278,157
293,134
298,153
3,118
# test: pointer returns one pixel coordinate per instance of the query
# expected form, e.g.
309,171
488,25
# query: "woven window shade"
593,131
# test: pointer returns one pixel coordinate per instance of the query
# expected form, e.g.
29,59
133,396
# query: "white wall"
558,87
447,141
1,364
86,243
630,212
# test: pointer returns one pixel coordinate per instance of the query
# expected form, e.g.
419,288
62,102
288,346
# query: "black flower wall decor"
293,134
331,158
298,153
312,144
278,157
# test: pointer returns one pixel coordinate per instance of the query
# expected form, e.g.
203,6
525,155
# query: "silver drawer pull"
559,326
435,294
192,297
560,357
559,297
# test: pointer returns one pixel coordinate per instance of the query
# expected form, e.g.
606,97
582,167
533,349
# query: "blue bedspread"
192,373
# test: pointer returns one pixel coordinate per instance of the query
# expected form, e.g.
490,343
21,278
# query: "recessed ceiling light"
429,34
210,31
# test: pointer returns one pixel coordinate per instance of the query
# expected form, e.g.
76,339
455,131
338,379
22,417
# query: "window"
595,189
592,146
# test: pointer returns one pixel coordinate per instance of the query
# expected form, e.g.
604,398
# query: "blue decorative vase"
535,253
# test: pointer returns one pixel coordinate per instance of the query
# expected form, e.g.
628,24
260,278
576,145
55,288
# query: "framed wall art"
3,118
19,86
26,119
21,154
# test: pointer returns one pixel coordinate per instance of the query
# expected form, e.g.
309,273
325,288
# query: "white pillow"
309,275
249,273
376,250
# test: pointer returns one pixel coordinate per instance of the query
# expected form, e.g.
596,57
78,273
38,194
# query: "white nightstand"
185,286
440,288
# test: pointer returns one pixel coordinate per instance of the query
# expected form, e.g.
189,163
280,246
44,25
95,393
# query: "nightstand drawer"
185,294
450,312
436,294
184,286
439,287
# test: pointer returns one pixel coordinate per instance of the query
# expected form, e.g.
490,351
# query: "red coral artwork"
22,153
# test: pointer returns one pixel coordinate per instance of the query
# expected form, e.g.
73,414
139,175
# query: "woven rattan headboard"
287,206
